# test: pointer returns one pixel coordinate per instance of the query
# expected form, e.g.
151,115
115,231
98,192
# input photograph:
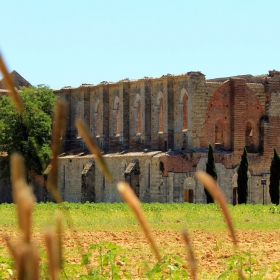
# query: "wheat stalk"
94,149
58,131
134,203
191,258
53,253
212,187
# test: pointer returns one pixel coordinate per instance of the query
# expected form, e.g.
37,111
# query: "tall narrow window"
98,120
139,117
149,174
249,135
79,112
185,112
160,117
118,119
79,116
219,135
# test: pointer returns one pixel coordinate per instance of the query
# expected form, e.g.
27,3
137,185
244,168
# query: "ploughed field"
106,241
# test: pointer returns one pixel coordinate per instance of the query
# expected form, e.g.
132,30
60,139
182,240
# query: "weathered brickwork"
169,123
155,133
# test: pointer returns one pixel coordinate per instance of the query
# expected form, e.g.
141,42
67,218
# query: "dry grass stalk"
191,258
17,168
10,86
134,203
22,195
26,258
34,263
58,131
25,254
94,149
59,239
212,187
53,253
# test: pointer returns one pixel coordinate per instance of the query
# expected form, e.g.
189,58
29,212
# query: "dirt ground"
212,249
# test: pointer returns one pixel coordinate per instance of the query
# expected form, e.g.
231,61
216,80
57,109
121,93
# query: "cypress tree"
274,178
211,170
242,179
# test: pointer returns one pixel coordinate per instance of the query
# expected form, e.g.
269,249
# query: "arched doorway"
189,188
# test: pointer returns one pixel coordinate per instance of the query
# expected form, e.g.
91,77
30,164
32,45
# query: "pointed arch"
184,104
139,123
249,133
117,116
185,112
137,114
79,115
159,110
160,116
219,132
98,119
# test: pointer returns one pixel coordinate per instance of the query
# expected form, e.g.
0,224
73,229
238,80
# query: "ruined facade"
155,133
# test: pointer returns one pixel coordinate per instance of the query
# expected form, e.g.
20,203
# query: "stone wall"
181,114
154,176
155,133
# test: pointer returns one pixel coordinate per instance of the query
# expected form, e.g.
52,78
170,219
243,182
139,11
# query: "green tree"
242,179
274,178
211,170
29,133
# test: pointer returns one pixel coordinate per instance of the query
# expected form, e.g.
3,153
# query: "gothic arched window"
219,133
139,117
185,112
118,119
249,135
98,117
160,116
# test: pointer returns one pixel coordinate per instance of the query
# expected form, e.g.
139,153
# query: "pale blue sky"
67,43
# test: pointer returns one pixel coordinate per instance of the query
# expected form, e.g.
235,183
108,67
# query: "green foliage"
211,170
274,178
117,216
242,266
6,268
170,267
242,179
29,133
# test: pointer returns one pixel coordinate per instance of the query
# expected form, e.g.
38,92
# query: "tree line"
242,176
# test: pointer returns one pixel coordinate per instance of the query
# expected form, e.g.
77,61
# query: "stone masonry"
155,133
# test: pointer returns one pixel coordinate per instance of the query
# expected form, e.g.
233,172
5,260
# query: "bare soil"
212,249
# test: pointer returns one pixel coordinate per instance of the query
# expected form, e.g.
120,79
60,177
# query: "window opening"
160,125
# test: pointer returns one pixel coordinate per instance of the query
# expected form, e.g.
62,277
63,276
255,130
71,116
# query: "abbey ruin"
155,134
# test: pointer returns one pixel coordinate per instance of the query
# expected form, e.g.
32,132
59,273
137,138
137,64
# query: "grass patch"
111,234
